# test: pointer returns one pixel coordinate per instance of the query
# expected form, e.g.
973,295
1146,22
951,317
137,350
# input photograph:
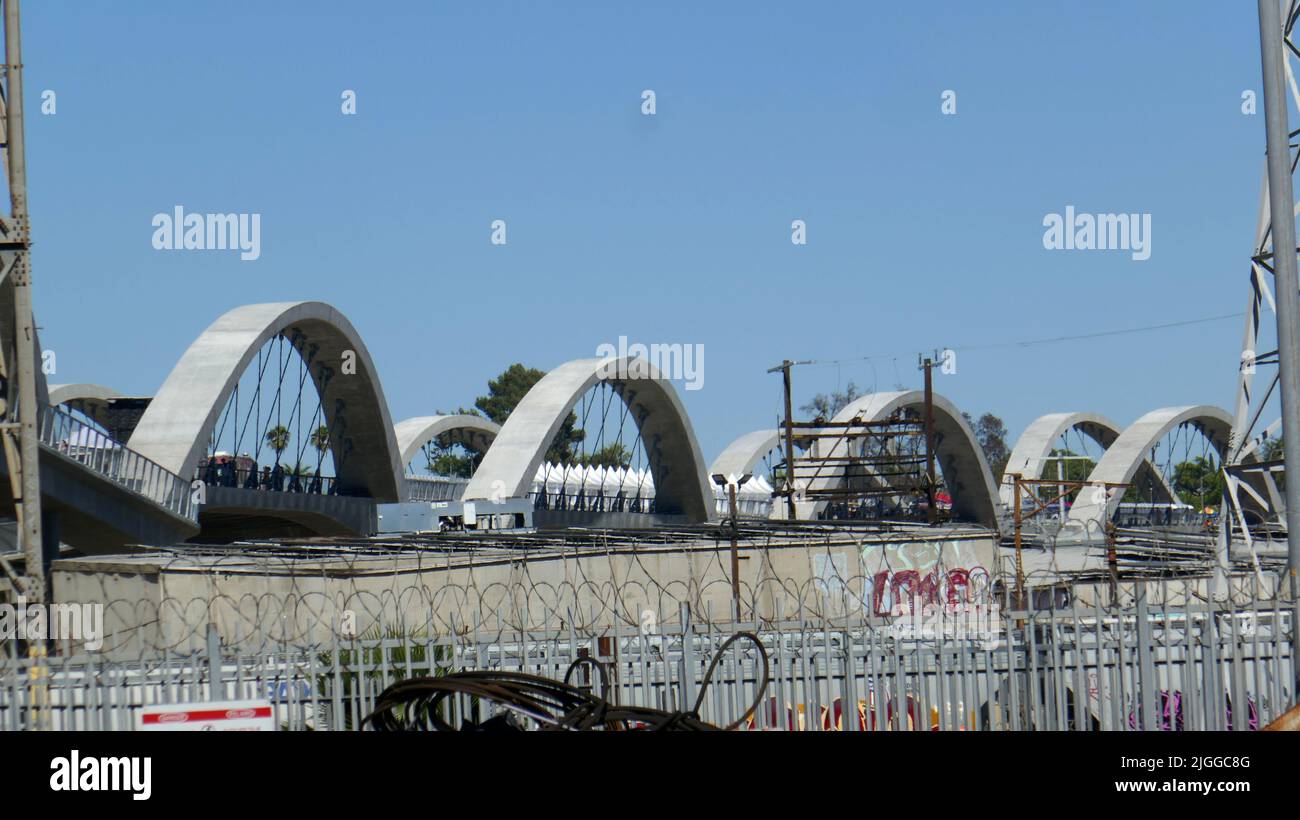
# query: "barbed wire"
279,602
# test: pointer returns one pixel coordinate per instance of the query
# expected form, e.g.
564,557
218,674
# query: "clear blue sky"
924,230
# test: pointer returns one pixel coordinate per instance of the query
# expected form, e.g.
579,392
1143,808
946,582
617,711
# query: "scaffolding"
864,469
860,468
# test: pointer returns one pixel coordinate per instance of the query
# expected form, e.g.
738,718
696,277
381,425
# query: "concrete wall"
165,600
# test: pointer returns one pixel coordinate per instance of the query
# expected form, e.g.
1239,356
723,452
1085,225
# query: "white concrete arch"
174,431
681,484
90,399
1128,453
65,393
465,429
1034,447
965,470
743,454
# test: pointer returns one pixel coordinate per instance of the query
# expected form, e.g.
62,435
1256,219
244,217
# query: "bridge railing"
64,433
434,488
266,478
591,500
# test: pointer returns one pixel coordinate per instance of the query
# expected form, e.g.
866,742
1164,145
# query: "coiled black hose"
415,705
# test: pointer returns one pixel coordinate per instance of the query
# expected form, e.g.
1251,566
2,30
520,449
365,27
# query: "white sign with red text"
213,716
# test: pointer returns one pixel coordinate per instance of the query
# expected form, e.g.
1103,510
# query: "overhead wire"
1034,342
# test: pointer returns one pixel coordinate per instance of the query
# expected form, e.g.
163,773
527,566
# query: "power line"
1037,342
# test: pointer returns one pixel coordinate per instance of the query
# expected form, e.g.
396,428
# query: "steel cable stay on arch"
258,407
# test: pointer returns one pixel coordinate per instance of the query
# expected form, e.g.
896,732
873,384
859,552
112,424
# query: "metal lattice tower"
1250,480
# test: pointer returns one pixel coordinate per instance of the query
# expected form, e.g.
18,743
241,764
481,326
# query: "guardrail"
69,436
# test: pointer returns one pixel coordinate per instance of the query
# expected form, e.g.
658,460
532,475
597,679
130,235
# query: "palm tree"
278,437
320,440
297,477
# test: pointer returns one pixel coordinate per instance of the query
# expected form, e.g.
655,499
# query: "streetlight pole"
735,552
721,480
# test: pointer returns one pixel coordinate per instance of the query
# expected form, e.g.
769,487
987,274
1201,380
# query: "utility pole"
789,441
16,243
931,514
784,368
1286,285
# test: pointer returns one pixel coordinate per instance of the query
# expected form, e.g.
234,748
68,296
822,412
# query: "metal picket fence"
1146,656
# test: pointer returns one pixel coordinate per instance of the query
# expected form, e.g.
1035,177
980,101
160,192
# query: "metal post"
1020,565
216,681
1286,285
789,442
1060,489
735,552
931,514
1112,559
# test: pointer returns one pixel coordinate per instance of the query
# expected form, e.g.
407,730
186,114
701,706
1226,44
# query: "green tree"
611,455
1076,469
507,390
1198,482
320,440
1271,450
278,438
991,433
825,406
449,463
504,394
448,455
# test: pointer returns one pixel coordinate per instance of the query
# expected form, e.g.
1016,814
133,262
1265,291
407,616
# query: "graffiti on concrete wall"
925,589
